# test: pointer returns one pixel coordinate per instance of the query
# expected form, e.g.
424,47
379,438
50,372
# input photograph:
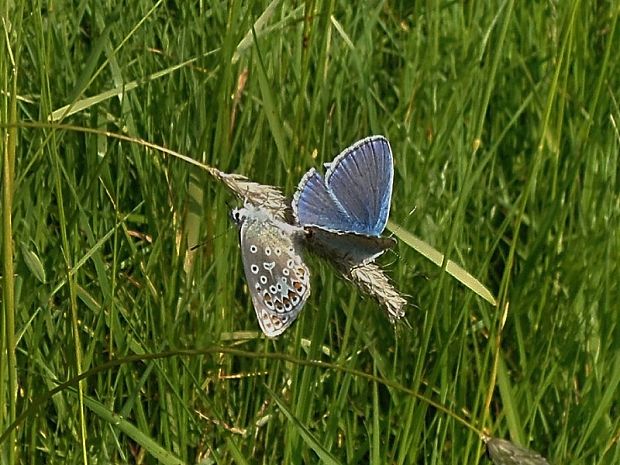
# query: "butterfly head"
238,215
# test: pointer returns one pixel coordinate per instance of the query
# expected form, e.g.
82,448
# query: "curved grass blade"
87,102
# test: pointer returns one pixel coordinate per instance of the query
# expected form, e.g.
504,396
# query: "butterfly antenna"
393,262
205,242
230,207
196,246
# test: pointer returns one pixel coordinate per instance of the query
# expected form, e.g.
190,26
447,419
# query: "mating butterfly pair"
340,216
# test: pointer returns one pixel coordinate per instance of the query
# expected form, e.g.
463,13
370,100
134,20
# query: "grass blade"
432,254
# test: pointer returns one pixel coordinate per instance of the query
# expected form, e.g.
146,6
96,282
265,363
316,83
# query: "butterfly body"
277,277
348,248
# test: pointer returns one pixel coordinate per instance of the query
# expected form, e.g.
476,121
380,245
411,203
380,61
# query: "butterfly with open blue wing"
345,213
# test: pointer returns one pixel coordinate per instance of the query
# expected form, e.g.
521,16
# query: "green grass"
120,345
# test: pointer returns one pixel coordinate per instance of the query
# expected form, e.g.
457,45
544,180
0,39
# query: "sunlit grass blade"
85,103
432,254
258,28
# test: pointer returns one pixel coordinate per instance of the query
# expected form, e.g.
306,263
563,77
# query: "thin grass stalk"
8,173
77,346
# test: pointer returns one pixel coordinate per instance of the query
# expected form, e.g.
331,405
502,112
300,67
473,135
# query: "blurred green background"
503,118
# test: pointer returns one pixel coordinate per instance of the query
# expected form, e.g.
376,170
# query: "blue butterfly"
278,279
345,213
